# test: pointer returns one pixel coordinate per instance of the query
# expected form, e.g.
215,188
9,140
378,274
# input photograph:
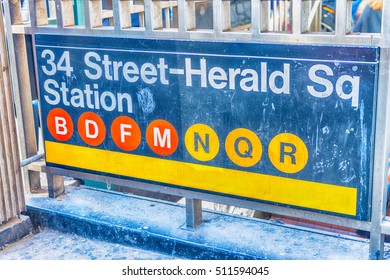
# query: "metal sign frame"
379,224
324,167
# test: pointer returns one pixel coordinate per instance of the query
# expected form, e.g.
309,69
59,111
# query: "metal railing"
292,22
12,201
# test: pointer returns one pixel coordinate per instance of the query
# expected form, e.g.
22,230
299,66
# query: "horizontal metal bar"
386,226
270,37
187,193
32,159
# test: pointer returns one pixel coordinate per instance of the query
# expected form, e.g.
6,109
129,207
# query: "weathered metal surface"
293,123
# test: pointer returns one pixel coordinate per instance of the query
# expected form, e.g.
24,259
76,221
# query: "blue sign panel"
282,124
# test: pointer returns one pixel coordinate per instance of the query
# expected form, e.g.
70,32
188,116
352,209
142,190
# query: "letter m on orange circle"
162,137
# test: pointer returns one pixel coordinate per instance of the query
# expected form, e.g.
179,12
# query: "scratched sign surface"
282,124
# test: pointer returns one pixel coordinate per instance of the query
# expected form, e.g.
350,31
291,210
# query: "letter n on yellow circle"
288,153
243,147
201,141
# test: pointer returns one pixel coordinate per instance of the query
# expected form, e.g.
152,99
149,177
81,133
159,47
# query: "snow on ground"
54,245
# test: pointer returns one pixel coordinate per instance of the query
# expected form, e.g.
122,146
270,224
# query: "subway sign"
289,125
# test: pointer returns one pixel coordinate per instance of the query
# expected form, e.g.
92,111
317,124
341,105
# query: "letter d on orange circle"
91,129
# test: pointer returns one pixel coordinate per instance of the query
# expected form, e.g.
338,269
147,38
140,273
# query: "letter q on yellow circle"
288,153
201,141
243,147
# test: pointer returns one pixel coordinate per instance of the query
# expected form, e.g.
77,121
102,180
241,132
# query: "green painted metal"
78,6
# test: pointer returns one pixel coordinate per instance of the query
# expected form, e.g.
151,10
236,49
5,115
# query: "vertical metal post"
217,16
193,212
87,15
148,16
255,16
55,183
182,16
118,18
380,159
296,17
60,21
341,18
382,143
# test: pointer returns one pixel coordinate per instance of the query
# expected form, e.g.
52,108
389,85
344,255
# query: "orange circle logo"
126,133
60,124
162,137
91,129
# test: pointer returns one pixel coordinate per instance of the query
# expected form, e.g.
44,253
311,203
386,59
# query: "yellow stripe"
306,194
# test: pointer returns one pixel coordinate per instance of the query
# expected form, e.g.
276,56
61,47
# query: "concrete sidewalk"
54,245
91,224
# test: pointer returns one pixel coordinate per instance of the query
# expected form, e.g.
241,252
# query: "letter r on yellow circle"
288,153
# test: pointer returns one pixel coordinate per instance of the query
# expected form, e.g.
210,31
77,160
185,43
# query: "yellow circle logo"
288,153
202,142
243,147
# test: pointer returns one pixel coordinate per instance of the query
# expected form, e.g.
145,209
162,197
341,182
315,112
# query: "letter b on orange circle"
60,124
